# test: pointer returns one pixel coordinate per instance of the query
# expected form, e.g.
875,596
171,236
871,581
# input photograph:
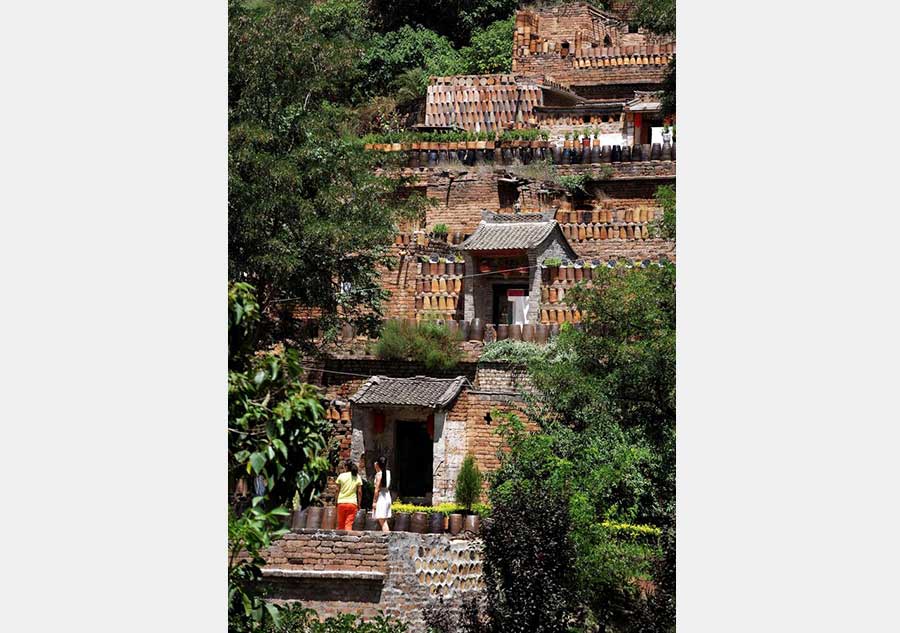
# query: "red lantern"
637,119
378,420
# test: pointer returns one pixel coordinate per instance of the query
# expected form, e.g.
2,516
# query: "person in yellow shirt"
350,495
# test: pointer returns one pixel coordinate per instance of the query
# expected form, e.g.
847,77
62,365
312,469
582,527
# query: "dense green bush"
468,483
529,560
481,509
429,343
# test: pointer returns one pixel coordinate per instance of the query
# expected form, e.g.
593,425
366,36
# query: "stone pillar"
534,288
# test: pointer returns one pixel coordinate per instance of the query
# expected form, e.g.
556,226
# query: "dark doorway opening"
415,453
502,308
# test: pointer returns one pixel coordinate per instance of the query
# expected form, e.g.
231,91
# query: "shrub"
440,229
529,561
468,483
294,618
429,343
516,352
552,261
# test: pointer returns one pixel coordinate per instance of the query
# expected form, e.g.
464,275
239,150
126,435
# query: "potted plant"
440,231
552,264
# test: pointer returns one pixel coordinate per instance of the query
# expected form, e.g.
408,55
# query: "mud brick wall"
482,439
364,573
400,282
459,201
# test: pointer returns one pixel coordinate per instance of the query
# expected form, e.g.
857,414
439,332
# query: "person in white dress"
382,494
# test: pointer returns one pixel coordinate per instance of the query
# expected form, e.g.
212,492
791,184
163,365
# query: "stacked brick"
481,102
322,550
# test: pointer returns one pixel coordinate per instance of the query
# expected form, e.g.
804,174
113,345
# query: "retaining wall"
364,573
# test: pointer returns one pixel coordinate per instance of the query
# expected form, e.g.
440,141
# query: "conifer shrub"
468,483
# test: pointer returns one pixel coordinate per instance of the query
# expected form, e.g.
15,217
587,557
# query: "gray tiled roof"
419,391
508,232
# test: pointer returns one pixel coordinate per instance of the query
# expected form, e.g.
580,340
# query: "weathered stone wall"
364,573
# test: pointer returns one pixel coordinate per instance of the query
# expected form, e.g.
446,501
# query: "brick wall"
365,573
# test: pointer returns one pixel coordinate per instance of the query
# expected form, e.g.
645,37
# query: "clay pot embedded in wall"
436,523
545,294
552,295
455,524
551,315
528,333
490,333
298,519
472,523
581,233
596,153
673,151
345,415
441,268
442,284
359,521
626,153
464,330
570,273
314,518
476,330
401,522
595,231
452,326
502,332
647,151
541,332
666,153
329,518
554,330
554,273
545,315
616,154
556,154
579,273
418,523
515,332
457,285
371,523
573,217
606,154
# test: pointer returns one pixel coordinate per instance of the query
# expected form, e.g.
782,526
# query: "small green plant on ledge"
440,229
573,183
428,342
468,483
552,261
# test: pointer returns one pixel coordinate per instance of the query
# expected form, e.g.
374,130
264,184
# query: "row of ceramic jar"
445,303
441,268
583,232
439,284
560,315
599,216
325,518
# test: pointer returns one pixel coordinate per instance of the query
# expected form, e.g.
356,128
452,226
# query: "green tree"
276,430
665,196
491,49
657,15
390,55
310,218
455,19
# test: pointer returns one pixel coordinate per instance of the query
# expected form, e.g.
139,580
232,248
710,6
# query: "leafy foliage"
468,483
657,15
297,619
665,196
529,559
429,343
391,54
276,430
491,49
302,196
455,19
